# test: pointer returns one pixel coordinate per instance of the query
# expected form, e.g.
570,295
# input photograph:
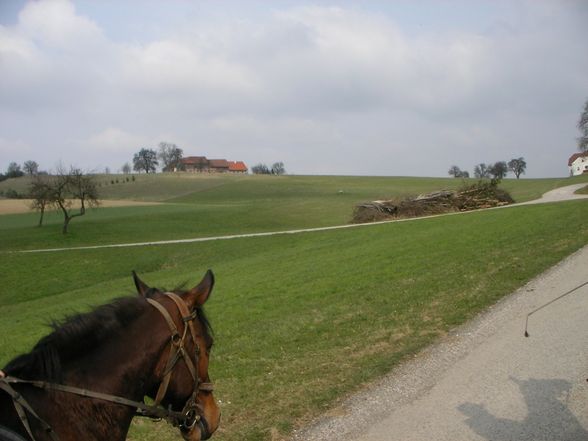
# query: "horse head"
183,368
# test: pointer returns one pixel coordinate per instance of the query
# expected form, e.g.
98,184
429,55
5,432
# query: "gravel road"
486,381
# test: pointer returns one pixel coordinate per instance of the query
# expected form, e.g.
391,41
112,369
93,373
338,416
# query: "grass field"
300,320
200,206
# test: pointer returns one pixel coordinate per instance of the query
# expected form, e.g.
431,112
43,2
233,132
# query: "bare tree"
170,155
126,168
14,171
498,170
260,169
517,166
456,172
31,168
74,187
278,168
482,171
145,159
583,127
41,193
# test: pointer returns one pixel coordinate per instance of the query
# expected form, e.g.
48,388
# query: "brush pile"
472,197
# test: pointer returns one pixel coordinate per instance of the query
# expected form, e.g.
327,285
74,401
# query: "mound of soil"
473,197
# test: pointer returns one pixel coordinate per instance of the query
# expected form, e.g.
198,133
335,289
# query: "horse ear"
198,295
141,287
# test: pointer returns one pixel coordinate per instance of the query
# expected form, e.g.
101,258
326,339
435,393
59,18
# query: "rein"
186,419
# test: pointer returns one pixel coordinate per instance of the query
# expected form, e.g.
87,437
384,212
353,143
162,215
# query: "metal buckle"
190,420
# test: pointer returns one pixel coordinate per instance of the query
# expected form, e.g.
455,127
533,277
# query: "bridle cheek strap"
177,350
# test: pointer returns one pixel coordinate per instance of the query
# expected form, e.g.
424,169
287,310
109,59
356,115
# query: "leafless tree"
170,155
73,187
498,170
145,159
260,169
482,171
583,126
517,166
31,168
278,168
41,193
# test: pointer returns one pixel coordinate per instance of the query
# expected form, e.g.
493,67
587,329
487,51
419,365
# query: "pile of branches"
473,197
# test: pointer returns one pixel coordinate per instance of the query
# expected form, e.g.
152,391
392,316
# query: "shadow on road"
548,417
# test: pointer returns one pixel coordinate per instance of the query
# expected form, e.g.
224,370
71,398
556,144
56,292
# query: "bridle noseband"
185,420
177,352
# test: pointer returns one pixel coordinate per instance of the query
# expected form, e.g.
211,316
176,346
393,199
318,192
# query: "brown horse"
88,378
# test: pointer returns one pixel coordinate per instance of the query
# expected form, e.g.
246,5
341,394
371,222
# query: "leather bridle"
177,352
185,420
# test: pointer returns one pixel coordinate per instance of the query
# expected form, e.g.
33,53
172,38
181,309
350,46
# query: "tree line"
496,171
277,168
147,160
14,170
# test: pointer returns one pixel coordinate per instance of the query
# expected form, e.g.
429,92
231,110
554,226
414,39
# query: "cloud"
317,87
55,23
114,139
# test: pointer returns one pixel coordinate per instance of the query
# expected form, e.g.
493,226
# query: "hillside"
324,312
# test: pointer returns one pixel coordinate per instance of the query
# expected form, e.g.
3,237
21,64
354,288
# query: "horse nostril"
204,429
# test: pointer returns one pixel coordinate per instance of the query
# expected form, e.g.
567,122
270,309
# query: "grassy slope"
320,312
200,206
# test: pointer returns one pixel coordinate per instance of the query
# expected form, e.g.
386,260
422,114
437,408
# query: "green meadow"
300,320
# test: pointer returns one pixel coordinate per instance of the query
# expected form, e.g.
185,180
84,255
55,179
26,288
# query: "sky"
383,88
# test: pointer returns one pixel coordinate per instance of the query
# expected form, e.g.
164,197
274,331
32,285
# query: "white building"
578,163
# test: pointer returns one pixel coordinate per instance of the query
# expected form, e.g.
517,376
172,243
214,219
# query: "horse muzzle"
195,428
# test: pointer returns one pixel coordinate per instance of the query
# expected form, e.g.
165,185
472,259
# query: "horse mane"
78,334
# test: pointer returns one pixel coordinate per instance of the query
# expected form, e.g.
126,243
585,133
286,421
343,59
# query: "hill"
299,320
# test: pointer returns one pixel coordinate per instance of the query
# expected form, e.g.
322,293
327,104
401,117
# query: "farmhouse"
200,164
578,163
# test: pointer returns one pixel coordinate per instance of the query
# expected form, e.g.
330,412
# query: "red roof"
194,160
238,166
576,156
218,163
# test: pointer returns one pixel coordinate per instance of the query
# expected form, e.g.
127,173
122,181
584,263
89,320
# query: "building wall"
579,166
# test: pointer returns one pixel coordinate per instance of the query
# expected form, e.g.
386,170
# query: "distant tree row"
14,170
496,171
276,169
146,160
170,156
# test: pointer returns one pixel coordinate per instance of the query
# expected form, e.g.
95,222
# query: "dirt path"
486,381
559,194
15,206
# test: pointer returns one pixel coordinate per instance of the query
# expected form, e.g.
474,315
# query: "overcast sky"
339,87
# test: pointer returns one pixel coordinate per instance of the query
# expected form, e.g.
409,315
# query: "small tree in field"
170,155
456,172
145,159
278,168
74,187
482,171
498,170
14,171
260,169
41,193
517,166
126,168
31,168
